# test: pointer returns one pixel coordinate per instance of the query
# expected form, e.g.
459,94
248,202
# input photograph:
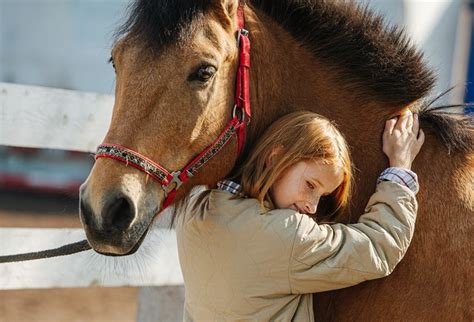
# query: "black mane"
350,38
358,43
454,129
158,23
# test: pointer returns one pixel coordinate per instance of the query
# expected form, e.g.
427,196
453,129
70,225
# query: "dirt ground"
20,209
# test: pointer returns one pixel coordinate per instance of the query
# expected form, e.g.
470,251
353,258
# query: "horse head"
175,81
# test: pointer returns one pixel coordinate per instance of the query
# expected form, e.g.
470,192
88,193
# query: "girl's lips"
297,209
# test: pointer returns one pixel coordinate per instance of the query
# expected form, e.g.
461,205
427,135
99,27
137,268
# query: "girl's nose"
310,207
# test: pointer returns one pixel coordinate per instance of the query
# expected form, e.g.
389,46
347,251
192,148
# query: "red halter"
240,119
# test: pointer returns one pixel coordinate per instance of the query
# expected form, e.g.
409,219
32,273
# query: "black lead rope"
68,249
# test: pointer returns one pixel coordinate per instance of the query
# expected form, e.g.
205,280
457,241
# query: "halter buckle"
240,33
176,180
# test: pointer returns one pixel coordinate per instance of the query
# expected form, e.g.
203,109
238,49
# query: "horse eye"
111,61
204,74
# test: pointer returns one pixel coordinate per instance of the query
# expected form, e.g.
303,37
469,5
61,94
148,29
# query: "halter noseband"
171,181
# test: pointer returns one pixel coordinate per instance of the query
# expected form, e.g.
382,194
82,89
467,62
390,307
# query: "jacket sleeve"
326,257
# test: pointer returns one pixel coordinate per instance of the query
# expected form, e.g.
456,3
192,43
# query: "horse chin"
126,253
113,242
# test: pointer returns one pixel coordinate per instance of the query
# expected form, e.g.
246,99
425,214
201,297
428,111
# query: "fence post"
163,303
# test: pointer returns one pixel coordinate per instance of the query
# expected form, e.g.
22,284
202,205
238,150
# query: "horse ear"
229,6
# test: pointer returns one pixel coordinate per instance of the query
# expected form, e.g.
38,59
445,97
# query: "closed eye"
310,185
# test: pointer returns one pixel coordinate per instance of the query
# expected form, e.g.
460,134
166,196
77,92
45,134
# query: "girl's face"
301,186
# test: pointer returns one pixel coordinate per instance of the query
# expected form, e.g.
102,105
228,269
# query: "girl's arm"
326,257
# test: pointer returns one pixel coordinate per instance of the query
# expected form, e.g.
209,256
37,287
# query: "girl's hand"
402,140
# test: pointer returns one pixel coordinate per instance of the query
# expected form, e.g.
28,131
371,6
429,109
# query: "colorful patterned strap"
159,173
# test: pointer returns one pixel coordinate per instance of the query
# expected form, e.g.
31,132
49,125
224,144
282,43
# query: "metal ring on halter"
241,115
241,32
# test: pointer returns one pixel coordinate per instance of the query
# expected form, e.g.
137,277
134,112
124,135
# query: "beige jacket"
241,264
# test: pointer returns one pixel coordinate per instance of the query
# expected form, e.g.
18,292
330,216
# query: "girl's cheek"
306,193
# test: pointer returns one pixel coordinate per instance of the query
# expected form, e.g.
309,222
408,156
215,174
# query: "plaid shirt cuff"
229,186
401,176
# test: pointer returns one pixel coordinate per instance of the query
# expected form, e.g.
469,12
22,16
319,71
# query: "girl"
251,251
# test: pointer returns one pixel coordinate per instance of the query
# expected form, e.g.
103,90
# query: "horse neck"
286,77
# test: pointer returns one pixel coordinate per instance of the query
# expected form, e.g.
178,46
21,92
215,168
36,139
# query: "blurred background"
66,44
62,44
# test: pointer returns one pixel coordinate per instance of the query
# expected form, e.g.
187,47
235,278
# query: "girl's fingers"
409,125
402,121
421,138
416,124
389,126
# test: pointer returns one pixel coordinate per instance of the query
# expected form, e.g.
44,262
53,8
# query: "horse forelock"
357,43
159,23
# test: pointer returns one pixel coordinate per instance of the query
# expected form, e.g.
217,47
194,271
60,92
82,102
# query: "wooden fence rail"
39,117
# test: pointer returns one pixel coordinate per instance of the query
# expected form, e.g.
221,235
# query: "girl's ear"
273,155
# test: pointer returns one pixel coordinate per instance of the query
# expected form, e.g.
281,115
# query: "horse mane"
358,43
351,38
367,52
455,130
158,23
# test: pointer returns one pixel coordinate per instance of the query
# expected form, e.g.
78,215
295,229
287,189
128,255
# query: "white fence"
59,119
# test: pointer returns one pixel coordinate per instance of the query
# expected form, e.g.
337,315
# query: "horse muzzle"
115,226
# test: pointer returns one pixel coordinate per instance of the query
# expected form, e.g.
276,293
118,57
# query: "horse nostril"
85,212
119,213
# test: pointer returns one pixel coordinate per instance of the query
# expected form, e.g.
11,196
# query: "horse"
176,63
